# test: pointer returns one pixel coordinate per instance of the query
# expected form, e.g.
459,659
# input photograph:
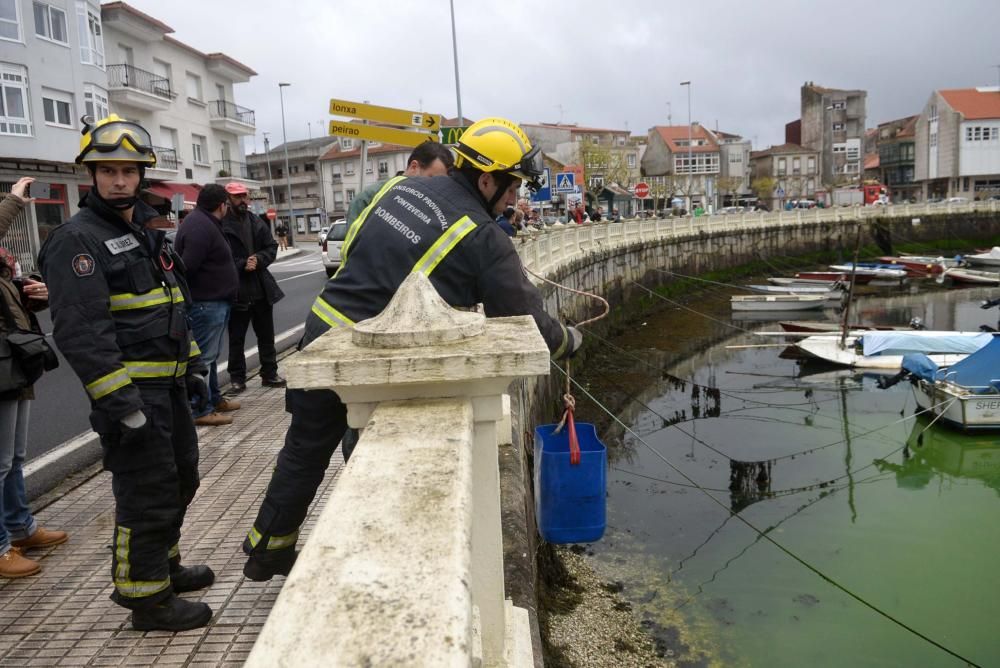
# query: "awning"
166,190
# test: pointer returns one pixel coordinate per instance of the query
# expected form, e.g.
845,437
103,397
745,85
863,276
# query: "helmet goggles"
529,168
110,137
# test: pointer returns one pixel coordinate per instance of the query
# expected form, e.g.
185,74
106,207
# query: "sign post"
416,120
565,183
543,194
642,190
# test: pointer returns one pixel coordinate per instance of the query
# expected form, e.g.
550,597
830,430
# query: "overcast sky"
602,64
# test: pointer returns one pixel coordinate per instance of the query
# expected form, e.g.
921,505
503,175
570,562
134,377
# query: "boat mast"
850,290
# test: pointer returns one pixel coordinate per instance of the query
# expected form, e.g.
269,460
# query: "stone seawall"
614,272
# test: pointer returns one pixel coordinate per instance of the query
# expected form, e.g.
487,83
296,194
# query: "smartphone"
40,190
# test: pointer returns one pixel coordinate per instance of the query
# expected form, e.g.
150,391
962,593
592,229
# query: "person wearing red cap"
253,250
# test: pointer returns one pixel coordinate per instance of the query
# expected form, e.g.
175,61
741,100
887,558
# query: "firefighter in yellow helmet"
442,227
118,311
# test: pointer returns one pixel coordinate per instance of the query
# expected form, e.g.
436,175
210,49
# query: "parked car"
957,200
332,243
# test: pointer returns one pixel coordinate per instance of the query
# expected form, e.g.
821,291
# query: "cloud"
596,63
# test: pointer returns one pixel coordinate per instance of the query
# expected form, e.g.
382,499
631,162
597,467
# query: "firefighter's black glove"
198,392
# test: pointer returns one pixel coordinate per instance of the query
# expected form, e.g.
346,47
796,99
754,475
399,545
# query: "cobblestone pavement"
63,617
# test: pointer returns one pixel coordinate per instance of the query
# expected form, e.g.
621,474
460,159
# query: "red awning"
166,191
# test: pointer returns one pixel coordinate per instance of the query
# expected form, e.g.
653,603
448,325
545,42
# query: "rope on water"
764,535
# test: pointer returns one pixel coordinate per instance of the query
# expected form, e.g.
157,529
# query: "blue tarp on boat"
979,372
900,343
921,366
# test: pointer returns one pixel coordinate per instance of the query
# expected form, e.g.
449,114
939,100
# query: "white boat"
797,290
871,269
780,280
977,276
991,259
885,349
777,302
966,395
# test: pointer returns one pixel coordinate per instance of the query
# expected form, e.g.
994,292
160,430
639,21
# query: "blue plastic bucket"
570,505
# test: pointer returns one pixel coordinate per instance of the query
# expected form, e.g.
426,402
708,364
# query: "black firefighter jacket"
258,285
438,226
118,305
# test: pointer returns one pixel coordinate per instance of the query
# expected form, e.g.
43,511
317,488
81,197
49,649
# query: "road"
60,410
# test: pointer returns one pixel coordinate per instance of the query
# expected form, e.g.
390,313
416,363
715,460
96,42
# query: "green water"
913,529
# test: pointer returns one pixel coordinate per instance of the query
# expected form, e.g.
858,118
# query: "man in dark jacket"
253,250
444,228
212,278
118,316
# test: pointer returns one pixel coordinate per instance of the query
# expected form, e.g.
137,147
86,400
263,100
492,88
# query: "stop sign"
271,214
642,190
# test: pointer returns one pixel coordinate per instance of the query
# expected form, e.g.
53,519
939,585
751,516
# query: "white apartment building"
63,59
957,146
340,168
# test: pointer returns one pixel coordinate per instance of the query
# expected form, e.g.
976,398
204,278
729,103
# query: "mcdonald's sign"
452,135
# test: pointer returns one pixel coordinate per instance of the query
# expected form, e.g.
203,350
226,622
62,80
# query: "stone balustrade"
404,566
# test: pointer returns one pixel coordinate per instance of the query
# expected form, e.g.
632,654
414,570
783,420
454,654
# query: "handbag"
24,355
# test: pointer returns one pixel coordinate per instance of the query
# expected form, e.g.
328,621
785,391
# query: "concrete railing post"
405,563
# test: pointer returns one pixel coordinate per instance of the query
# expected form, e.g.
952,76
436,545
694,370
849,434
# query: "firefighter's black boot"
173,614
265,564
189,578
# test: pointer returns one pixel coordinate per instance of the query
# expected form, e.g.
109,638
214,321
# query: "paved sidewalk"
63,617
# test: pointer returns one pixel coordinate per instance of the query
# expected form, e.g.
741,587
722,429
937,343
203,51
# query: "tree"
763,187
729,185
605,161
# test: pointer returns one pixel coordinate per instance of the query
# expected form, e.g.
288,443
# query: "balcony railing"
231,168
166,158
128,76
234,112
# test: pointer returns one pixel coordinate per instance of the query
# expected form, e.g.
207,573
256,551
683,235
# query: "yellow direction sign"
379,134
373,112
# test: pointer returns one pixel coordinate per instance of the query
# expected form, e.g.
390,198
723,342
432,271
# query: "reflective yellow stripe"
330,315
124,301
195,350
176,295
151,369
182,369
107,384
123,584
274,542
174,551
443,246
280,542
356,225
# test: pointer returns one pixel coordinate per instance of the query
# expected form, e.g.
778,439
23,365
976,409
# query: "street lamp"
690,169
288,177
454,49
267,157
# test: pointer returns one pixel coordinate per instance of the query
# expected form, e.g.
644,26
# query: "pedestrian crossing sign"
565,182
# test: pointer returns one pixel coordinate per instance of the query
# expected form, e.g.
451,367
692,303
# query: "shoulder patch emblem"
83,265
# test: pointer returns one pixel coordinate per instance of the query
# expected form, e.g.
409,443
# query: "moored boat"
974,276
797,290
990,259
915,265
782,280
885,350
817,326
777,302
834,276
966,395
873,269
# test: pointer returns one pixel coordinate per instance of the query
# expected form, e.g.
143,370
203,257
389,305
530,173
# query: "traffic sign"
544,193
373,112
642,190
380,134
272,214
177,202
565,182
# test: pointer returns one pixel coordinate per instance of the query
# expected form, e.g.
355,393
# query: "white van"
332,244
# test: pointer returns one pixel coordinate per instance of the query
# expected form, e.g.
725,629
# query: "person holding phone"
18,529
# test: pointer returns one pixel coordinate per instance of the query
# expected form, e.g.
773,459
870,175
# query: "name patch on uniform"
83,265
122,244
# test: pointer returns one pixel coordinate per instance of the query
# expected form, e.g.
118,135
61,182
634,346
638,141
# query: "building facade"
957,144
833,124
705,167
63,59
897,159
308,211
340,169
793,169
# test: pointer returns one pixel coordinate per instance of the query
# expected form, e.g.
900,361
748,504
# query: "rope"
762,534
